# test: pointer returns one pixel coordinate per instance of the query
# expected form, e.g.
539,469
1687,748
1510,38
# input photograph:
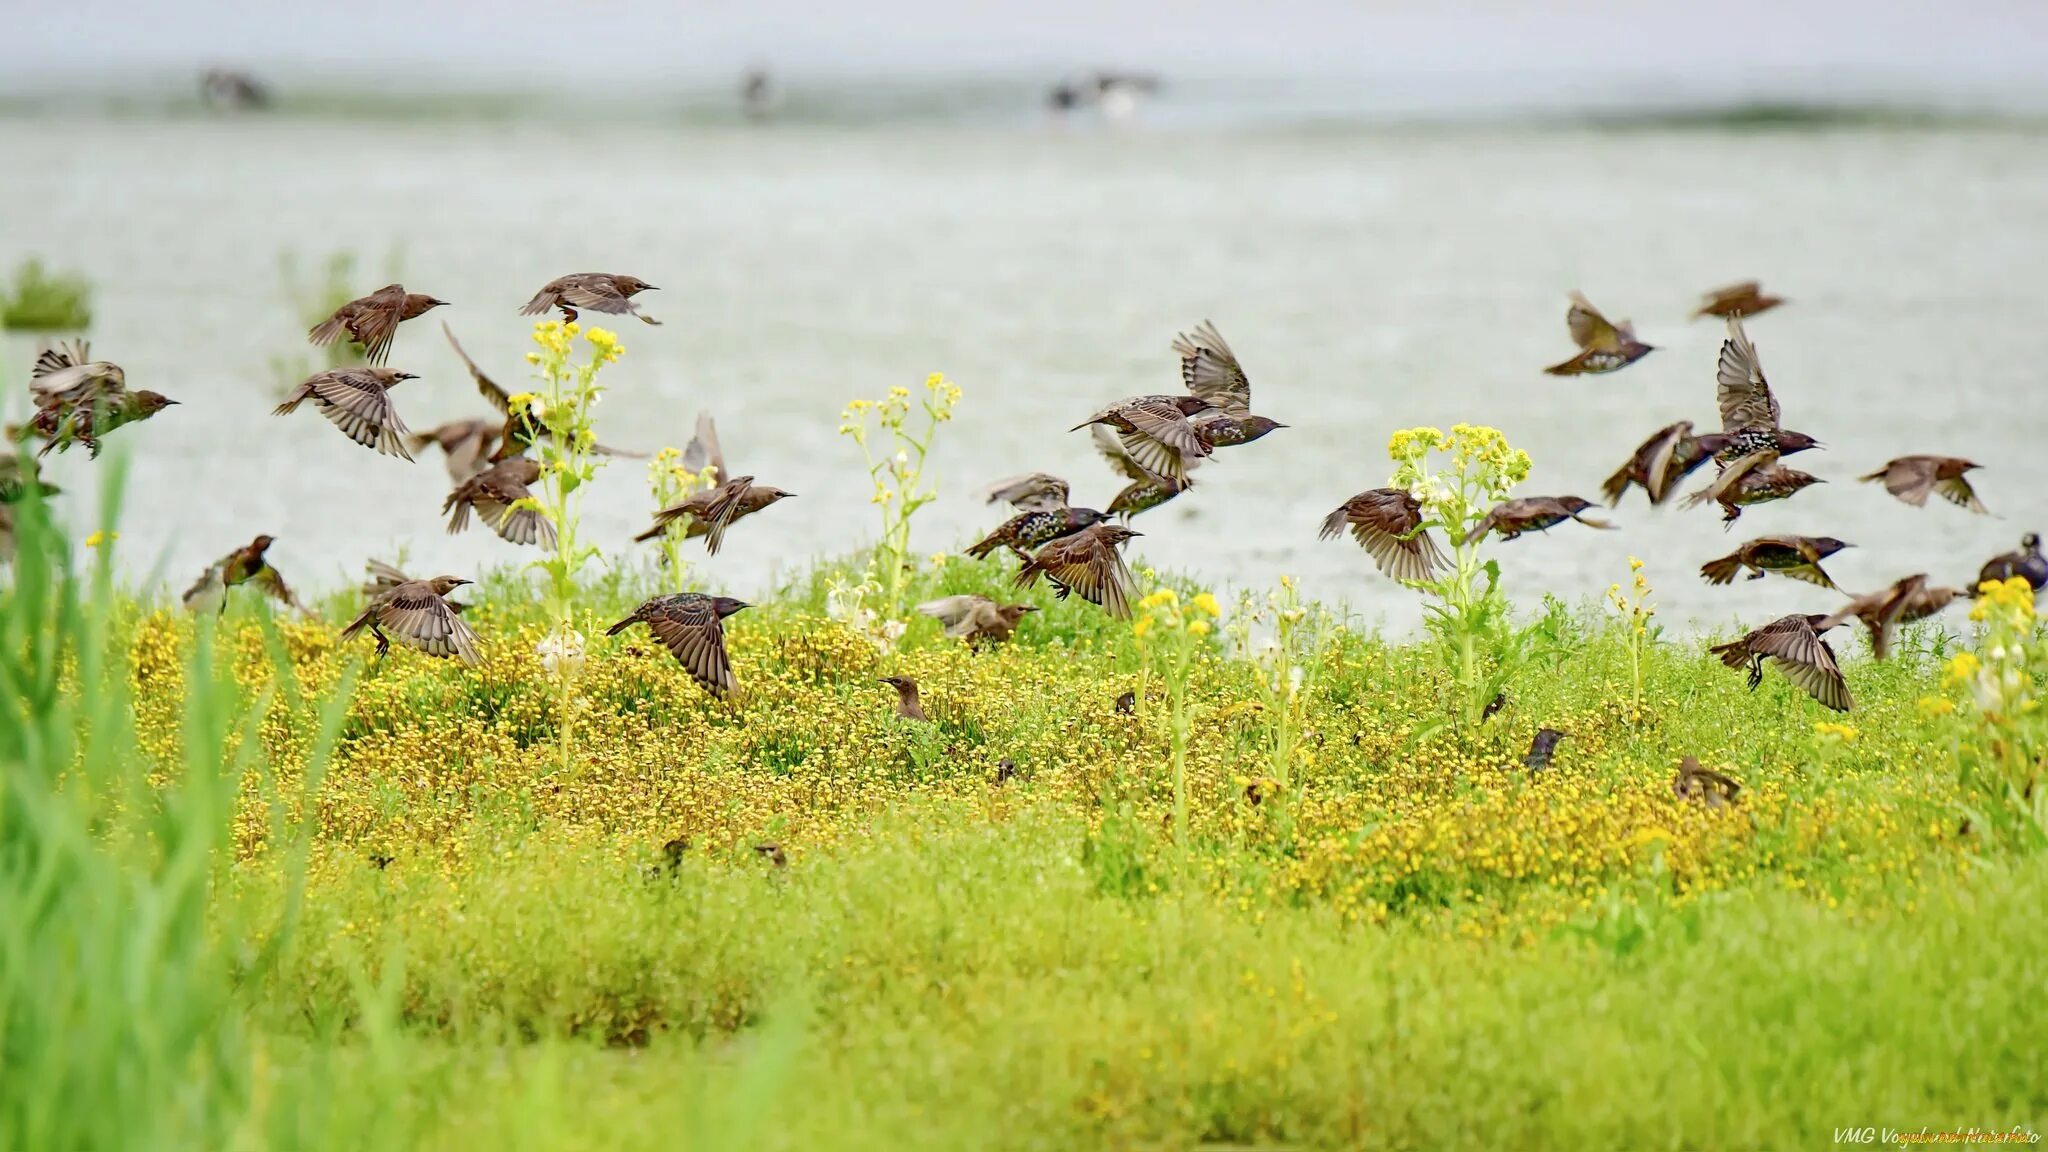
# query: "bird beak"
168,402
1278,424
438,303
460,583
1031,607
649,288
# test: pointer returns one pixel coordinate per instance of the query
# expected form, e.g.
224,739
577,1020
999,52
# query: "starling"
1031,492
976,619
1209,370
357,401
1802,653
1751,480
1603,346
495,494
1155,433
772,853
1533,514
1745,299
1911,478
1006,770
1668,456
1750,414
2027,563
79,400
468,444
714,510
1144,491
1493,706
1905,601
691,625
373,320
419,613
1028,530
245,565
1387,523
1127,704
1692,782
384,577
521,429
1087,563
597,291
1541,748
907,705
1796,556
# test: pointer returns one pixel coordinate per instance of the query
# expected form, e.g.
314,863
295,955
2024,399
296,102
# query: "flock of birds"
1155,443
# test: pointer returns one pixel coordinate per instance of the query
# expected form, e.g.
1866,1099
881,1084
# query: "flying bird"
692,626
1533,514
1087,564
245,565
469,445
494,494
372,321
1028,530
1745,299
597,291
357,401
1030,492
976,619
1603,346
419,614
1155,433
1796,556
1751,480
1144,491
714,510
1801,652
1387,523
1903,602
521,429
1659,463
19,474
1912,478
80,400
907,704
383,577
1751,418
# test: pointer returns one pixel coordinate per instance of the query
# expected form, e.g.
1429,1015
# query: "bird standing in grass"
1796,556
357,401
1913,478
597,291
1745,299
907,705
1604,346
1088,564
245,565
372,321
493,494
1387,523
1533,514
976,619
2027,563
1903,602
1541,749
692,627
420,615
1659,463
1801,651
1693,782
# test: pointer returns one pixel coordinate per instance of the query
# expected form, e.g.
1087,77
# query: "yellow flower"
1635,564
1166,597
1932,706
1199,627
606,343
1206,604
1142,626
99,539
1963,666
899,392
1845,733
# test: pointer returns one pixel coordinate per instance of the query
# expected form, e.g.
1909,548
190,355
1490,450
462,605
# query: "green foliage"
896,469
43,301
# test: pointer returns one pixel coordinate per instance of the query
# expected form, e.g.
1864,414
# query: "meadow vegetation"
40,300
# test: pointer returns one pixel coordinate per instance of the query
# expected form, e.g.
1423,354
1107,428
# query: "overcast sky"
1945,45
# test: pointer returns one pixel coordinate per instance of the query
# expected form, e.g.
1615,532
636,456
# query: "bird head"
147,402
726,606
443,585
1790,442
1574,504
1086,517
632,284
2031,542
261,544
417,303
906,688
1257,426
1011,613
1117,534
769,494
389,376
1828,545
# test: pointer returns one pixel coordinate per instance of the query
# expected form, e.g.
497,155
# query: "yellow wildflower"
99,539
1963,666
1199,627
1141,626
1843,732
1206,604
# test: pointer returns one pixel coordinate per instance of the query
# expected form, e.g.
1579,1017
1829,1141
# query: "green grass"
43,301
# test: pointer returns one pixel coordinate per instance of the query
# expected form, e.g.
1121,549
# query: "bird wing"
1089,565
383,577
957,613
597,294
1731,477
496,396
413,613
375,322
692,631
720,509
1910,478
1112,450
210,590
516,525
268,579
1161,440
466,454
1209,370
361,407
1590,330
1805,659
1744,394
703,450
1031,492
1957,491
1656,476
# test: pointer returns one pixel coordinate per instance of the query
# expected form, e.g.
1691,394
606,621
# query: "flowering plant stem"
1175,633
898,474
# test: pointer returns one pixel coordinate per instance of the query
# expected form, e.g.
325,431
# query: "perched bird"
692,625
1144,491
976,619
1028,530
372,321
2027,563
1155,433
1748,482
384,577
1796,556
1387,523
1745,299
245,565
1903,602
493,493
1031,492
1911,478
1126,704
1089,564
714,510
1802,654
907,705
357,401
79,400
1603,346
420,615
597,291
521,429
1659,463
1692,782
469,445
1541,749
1533,514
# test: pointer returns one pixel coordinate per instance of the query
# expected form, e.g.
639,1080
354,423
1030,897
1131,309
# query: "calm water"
1368,279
